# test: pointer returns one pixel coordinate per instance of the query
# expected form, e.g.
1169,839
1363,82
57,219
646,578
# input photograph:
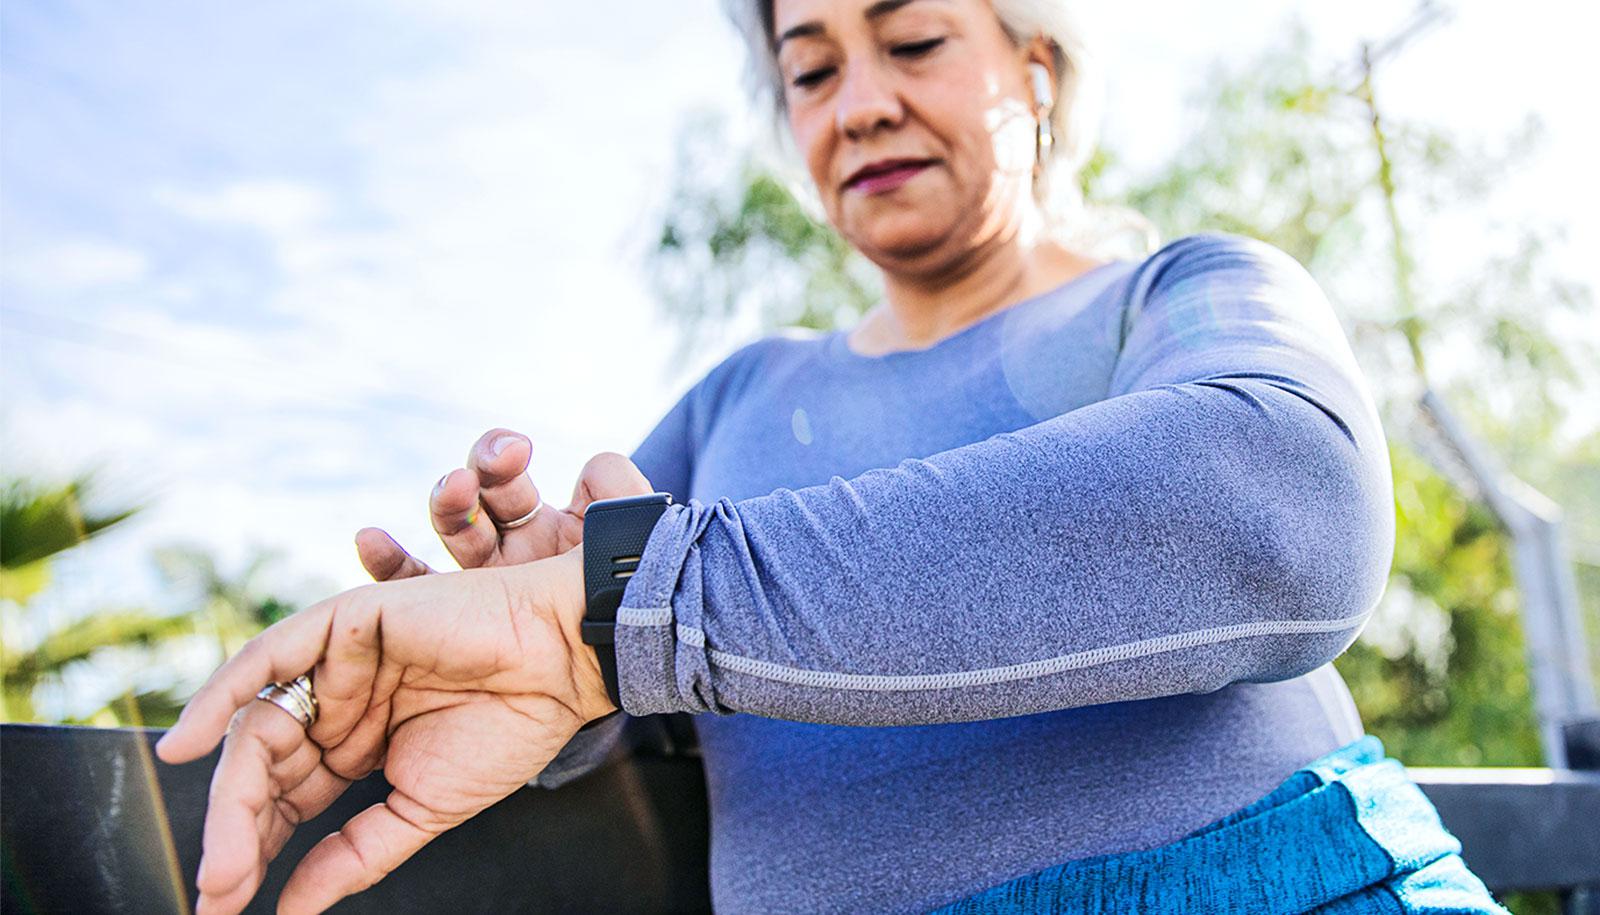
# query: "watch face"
615,532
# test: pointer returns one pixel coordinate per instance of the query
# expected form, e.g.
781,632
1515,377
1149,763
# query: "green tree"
727,246
41,522
38,522
234,605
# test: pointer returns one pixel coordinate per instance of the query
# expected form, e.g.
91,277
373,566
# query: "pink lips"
880,182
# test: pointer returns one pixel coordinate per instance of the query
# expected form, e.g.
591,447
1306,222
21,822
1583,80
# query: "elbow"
1321,560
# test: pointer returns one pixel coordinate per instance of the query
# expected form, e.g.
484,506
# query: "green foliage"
1270,159
1439,674
38,521
78,640
749,244
41,522
239,603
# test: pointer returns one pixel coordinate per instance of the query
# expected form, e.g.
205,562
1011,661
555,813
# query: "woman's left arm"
1225,515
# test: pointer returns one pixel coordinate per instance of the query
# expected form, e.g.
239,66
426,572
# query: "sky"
272,268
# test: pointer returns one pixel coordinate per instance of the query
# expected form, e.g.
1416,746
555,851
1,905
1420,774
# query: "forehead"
791,14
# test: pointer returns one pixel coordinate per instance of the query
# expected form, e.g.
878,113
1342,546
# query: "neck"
921,308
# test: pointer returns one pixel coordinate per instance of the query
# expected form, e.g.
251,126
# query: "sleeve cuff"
663,664
588,749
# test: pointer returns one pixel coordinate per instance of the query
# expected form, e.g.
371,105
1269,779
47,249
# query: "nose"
866,101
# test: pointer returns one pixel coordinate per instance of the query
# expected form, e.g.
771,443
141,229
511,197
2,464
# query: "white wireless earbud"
1042,95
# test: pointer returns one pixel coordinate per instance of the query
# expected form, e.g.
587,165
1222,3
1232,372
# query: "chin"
901,236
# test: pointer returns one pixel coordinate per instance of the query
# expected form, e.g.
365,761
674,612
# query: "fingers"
282,651
230,859
267,782
375,842
458,517
384,558
500,459
493,487
345,677
607,475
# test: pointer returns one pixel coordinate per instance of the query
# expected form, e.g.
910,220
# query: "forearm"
1171,540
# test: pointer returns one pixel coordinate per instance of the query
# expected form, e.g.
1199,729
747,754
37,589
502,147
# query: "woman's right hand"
494,486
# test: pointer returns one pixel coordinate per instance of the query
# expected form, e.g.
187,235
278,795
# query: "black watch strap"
615,532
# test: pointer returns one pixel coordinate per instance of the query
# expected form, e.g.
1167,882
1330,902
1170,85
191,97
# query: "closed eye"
811,77
916,48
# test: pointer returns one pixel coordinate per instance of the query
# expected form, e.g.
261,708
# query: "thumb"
608,475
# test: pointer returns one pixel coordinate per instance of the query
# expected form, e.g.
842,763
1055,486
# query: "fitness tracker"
614,534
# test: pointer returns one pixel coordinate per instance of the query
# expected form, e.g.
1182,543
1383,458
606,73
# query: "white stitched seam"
905,682
1031,669
644,616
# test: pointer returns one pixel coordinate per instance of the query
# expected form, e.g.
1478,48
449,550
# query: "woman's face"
933,84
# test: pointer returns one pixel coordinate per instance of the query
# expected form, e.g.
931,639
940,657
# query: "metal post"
1558,660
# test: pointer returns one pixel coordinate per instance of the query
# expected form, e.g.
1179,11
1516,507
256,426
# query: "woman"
1020,595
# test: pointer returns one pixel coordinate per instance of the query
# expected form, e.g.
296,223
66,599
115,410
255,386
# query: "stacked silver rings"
294,697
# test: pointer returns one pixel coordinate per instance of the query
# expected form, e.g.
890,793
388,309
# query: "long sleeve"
1224,515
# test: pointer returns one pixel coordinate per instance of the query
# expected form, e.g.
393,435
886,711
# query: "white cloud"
317,348
275,206
74,265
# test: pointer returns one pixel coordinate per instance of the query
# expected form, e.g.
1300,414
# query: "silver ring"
294,697
513,525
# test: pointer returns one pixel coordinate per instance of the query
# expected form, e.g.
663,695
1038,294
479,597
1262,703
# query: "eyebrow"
875,11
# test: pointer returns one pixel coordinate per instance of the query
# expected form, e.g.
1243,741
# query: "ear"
1040,52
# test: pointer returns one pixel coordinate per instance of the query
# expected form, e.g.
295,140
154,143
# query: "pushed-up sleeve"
1224,515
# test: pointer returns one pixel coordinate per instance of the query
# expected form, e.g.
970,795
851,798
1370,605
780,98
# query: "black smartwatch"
614,534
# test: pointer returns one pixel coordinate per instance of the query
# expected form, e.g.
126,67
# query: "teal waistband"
1349,833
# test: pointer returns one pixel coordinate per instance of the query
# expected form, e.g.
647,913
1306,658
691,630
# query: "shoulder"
758,360
1221,258
1221,292
765,354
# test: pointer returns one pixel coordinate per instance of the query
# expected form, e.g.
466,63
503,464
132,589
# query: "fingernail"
502,443
439,486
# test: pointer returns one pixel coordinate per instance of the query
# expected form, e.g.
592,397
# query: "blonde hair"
1074,119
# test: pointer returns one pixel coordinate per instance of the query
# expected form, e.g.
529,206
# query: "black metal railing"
91,822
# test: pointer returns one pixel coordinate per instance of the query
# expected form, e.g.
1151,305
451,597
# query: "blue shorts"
1350,833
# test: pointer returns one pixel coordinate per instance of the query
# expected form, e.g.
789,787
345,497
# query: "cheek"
819,151
1012,135
814,148
988,131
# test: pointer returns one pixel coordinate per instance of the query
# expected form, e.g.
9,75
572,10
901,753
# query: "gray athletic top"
1065,583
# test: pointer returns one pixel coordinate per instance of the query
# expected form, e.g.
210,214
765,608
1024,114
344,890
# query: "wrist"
568,568
586,663
557,585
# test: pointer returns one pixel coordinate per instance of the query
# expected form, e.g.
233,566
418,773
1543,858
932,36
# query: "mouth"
885,174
